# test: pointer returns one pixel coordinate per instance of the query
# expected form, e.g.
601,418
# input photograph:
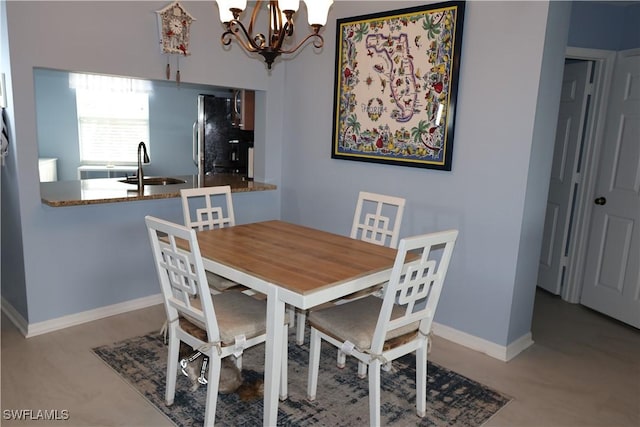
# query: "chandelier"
280,25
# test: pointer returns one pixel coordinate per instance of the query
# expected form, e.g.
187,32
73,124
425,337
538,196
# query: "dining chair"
377,331
209,208
376,220
231,320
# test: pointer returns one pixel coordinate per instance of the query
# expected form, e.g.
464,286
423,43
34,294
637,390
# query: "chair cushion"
218,282
237,314
356,321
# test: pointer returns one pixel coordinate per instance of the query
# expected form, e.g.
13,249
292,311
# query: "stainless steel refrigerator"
220,145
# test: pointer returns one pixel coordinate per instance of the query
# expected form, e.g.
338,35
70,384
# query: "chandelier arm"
233,28
274,22
318,43
285,31
254,14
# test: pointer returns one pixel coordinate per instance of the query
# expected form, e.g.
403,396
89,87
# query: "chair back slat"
415,284
208,208
182,276
377,219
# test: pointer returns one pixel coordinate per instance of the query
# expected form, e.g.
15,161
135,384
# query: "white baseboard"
503,353
15,317
39,328
518,346
500,352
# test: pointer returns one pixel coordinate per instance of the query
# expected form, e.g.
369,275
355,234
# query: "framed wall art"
396,85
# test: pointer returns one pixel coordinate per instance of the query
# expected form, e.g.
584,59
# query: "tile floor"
583,370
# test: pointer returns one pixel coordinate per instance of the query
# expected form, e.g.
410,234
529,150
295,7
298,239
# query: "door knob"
600,201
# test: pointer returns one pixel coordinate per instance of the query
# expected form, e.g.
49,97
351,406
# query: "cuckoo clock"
174,23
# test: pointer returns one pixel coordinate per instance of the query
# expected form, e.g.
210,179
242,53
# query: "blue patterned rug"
342,400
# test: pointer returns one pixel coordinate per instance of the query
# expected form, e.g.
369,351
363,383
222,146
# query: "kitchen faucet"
140,161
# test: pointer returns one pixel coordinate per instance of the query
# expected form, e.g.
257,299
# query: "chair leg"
283,367
302,319
374,392
314,364
341,359
362,369
239,362
172,367
421,379
291,311
213,383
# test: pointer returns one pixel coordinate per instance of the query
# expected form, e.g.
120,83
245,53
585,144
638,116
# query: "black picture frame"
396,86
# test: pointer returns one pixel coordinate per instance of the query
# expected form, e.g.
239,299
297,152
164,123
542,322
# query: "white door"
611,282
562,187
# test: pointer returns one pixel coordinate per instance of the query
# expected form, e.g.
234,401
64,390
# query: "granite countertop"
110,190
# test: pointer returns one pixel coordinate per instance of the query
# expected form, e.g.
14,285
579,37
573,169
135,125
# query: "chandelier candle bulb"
317,12
289,5
236,4
224,7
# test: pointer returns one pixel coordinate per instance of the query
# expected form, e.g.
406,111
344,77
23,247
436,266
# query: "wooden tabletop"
297,258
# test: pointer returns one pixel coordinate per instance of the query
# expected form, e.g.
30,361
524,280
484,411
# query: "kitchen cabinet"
244,102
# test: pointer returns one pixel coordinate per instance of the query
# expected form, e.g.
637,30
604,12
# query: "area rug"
342,398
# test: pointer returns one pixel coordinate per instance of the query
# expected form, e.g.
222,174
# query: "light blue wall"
631,28
12,252
62,261
172,112
539,168
501,156
56,121
608,26
494,267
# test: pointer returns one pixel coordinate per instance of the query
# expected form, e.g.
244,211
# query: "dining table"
292,265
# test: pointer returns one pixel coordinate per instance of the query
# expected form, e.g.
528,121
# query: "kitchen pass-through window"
113,118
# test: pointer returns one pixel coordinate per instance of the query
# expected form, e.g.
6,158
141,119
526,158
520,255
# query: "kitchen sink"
154,180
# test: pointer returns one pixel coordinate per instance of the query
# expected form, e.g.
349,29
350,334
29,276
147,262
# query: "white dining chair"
377,331
209,208
377,219
232,320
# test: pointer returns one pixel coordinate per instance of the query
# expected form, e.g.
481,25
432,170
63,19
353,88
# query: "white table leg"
273,356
